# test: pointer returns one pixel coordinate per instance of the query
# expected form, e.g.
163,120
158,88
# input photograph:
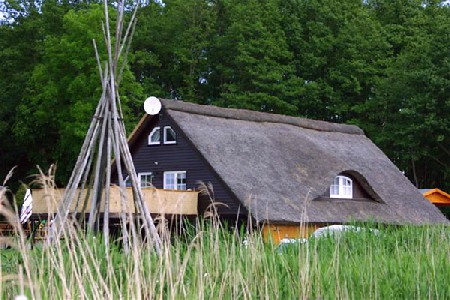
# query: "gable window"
145,179
342,187
170,137
155,136
175,180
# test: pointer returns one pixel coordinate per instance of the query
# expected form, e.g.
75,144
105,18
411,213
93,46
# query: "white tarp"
27,207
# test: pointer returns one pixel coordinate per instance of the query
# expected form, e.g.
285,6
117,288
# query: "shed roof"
280,166
436,196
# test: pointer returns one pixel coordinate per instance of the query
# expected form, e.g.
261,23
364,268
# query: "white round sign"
152,105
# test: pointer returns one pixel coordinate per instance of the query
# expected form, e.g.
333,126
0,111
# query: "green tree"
380,64
340,52
18,56
413,100
250,59
63,91
21,38
170,48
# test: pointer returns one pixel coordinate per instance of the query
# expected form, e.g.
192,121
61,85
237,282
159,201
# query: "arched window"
342,187
170,137
155,136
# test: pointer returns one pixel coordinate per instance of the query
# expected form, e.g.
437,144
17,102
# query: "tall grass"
209,261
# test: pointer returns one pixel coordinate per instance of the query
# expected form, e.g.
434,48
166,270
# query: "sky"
1,8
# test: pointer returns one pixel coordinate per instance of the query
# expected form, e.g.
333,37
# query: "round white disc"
152,105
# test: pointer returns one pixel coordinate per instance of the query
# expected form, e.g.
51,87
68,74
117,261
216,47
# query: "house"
436,196
279,171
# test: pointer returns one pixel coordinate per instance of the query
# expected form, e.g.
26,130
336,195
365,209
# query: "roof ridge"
256,116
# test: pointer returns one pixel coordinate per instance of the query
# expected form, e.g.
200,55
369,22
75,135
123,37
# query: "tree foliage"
381,64
257,73
62,88
413,124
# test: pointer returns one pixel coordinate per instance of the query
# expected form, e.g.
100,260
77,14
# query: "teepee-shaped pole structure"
104,143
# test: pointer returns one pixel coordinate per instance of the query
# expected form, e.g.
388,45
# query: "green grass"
211,263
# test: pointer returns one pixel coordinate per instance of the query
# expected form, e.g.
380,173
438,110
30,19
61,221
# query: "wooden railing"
168,202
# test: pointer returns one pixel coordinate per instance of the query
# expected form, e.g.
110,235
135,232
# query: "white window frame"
150,142
140,175
344,186
166,128
175,187
127,181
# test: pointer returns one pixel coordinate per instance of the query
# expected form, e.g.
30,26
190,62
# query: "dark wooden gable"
182,156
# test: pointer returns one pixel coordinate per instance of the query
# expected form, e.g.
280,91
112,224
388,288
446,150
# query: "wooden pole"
107,185
99,170
104,140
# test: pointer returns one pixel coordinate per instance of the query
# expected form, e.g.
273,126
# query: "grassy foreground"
213,263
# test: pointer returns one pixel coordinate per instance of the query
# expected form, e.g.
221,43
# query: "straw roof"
280,167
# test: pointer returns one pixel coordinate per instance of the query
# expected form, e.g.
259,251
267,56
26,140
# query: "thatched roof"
279,167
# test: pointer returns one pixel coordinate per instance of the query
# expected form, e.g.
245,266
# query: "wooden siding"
158,201
276,233
182,156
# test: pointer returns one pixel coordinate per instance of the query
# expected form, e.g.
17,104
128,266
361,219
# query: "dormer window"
342,187
170,137
154,138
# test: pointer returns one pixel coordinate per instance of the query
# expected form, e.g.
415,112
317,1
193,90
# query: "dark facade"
181,156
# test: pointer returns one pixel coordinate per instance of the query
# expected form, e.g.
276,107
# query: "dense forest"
383,65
